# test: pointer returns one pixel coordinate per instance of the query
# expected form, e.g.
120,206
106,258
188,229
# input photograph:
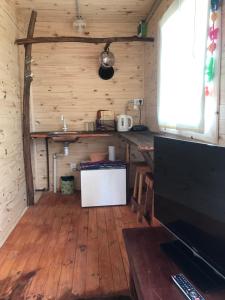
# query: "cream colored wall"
66,82
12,182
151,51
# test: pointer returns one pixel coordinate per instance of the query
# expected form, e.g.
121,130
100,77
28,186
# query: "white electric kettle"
124,123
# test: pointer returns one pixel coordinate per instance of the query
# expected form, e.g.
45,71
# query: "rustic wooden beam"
76,39
26,113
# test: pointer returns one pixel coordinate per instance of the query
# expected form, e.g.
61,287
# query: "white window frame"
210,132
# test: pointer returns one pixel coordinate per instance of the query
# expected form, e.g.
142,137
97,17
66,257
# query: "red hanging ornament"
206,91
213,33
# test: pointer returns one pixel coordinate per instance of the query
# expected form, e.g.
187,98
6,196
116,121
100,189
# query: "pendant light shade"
107,59
79,23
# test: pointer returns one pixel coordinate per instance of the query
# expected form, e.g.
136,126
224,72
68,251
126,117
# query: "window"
182,58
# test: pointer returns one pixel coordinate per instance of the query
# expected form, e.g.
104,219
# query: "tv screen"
189,187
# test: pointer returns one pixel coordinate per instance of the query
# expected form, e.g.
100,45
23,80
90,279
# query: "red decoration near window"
206,91
213,33
212,47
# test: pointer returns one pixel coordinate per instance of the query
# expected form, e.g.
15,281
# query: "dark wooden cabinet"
151,268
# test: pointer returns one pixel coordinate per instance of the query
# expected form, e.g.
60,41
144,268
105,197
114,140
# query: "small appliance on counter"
103,183
105,120
139,128
124,123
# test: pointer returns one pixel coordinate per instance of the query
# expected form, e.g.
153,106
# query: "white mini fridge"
103,186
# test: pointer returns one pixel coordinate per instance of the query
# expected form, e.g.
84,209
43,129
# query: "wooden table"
146,139
138,139
150,268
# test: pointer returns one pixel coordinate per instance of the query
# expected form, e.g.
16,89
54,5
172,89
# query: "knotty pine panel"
94,11
66,82
12,187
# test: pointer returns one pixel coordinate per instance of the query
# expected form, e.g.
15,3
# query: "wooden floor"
59,249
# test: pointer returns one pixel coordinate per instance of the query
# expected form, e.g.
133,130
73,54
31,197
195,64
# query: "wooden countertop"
139,138
78,134
136,138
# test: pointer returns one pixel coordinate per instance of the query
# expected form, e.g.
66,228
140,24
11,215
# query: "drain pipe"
55,156
55,173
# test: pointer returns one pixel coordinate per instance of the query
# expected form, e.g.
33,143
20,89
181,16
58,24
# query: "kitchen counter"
84,134
143,141
139,138
135,138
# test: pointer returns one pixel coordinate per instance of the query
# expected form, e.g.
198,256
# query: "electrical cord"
140,116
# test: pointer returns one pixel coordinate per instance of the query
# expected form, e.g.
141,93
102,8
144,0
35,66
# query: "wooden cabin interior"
112,149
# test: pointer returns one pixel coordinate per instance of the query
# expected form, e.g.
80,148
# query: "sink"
63,132
64,136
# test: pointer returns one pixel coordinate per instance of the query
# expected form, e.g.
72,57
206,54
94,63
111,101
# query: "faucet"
65,127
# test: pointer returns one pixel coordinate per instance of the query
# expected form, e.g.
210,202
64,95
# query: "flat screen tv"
189,193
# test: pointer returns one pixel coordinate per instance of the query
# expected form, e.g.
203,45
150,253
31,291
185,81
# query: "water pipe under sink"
55,156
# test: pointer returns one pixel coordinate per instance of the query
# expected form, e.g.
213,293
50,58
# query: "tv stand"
203,277
151,268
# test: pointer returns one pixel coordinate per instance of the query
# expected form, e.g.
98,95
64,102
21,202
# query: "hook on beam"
107,45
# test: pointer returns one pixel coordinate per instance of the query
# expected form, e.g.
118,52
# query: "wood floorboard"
92,270
118,271
59,249
105,267
119,227
66,276
80,266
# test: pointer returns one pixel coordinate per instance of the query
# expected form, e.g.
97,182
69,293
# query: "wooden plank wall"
12,187
66,82
151,51
94,11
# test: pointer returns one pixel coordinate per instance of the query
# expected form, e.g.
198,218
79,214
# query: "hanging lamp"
79,23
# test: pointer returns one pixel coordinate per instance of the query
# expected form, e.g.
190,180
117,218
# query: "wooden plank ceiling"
101,11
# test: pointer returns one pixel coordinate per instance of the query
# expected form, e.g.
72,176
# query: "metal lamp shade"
106,73
107,59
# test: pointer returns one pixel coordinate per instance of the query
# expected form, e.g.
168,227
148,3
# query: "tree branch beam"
26,112
88,40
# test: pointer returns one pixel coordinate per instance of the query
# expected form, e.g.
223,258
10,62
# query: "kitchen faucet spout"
65,127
